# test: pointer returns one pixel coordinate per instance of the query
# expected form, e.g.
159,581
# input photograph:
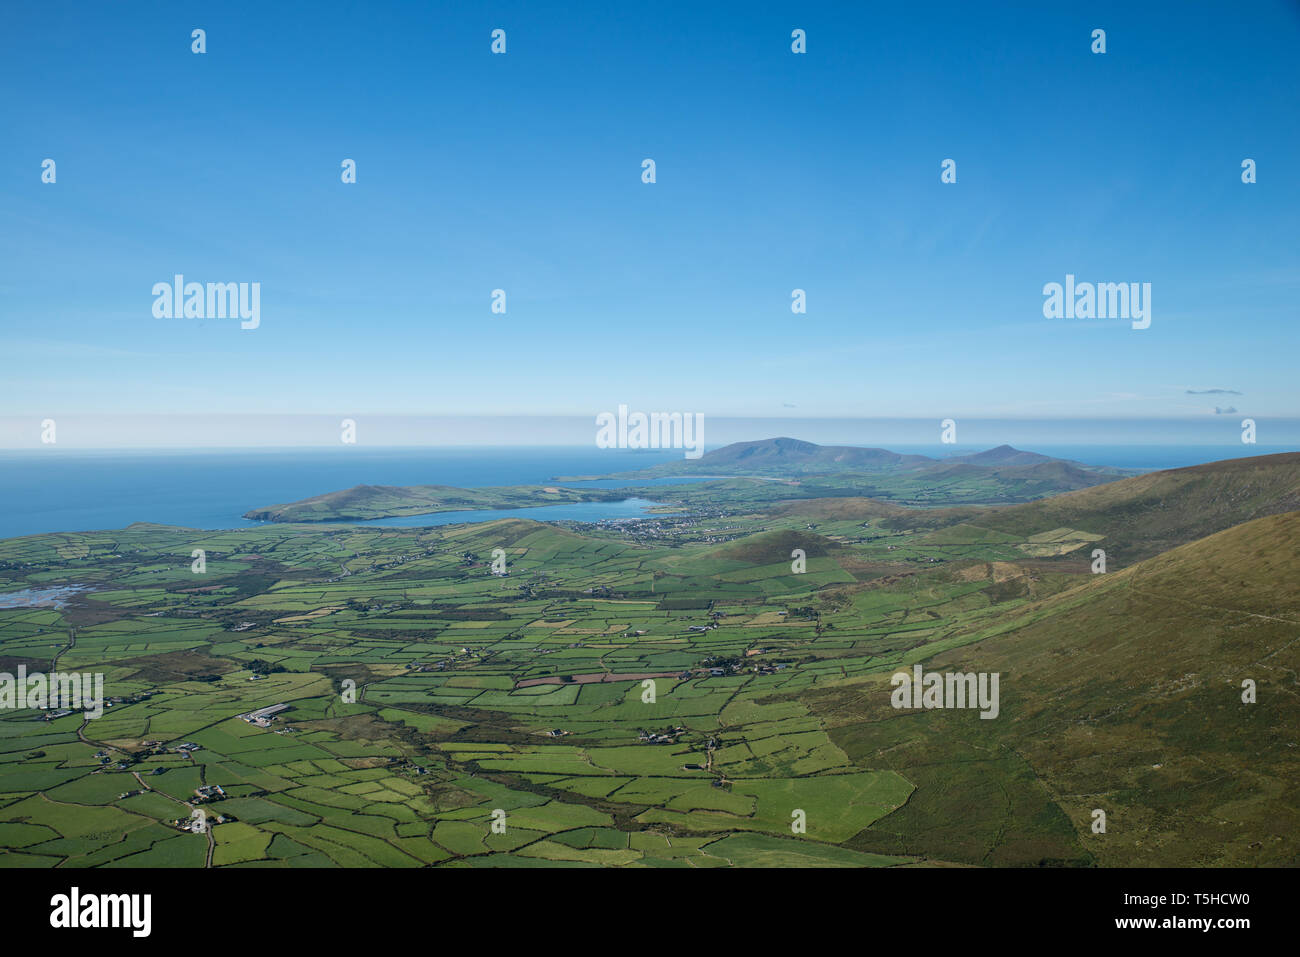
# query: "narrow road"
72,643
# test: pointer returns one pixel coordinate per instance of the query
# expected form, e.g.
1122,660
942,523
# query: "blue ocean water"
51,490
55,491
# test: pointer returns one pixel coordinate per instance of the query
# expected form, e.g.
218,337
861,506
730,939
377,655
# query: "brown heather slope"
1121,694
1135,518
1149,514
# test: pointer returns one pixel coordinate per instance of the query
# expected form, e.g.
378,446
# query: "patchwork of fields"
612,701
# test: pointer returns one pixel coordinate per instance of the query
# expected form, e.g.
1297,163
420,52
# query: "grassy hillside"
769,547
1124,694
1144,515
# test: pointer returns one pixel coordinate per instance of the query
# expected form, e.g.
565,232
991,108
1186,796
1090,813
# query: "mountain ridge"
787,456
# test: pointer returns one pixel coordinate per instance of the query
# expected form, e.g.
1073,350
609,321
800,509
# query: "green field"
442,715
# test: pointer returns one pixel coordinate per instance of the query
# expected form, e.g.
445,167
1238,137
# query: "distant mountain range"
786,457
1132,518
1147,514
1003,475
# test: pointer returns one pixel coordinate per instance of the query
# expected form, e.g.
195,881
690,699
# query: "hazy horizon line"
247,431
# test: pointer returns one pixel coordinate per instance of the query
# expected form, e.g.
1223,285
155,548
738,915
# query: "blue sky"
775,171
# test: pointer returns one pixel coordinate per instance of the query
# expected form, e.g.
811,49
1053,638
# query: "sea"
54,490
